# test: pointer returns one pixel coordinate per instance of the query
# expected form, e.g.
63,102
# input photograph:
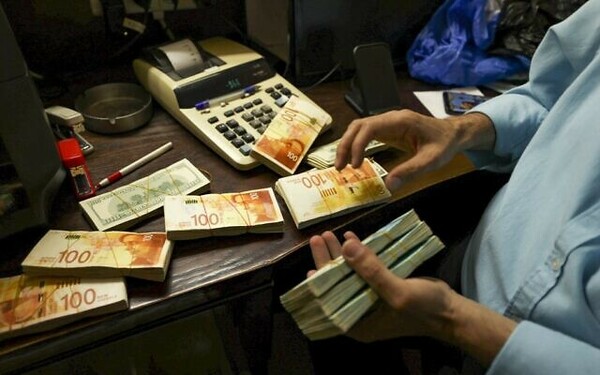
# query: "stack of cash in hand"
253,211
100,254
317,195
334,298
292,131
324,156
30,304
125,206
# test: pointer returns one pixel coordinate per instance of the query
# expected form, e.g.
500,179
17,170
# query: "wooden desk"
203,273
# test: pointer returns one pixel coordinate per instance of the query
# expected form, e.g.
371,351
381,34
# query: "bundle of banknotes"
333,299
324,156
125,206
320,194
31,304
100,254
285,143
198,216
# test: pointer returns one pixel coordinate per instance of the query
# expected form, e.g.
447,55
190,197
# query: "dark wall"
62,38
326,32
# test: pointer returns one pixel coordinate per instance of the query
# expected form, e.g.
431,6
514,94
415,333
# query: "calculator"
223,92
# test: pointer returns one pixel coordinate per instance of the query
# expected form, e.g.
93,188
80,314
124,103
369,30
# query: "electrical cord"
132,41
52,86
324,78
289,57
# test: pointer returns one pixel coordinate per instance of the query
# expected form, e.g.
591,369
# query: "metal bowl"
115,107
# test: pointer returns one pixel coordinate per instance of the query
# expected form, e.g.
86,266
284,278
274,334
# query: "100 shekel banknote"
188,217
125,206
30,304
316,195
289,136
100,254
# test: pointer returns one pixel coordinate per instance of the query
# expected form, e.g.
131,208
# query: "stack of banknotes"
31,304
69,275
123,207
100,254
229,214
285,143
320,194
324,156
333,299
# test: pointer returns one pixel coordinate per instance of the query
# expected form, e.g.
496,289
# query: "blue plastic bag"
452,48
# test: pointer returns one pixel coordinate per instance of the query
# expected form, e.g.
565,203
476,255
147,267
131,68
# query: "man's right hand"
432,142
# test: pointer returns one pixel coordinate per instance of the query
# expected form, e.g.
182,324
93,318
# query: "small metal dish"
115,107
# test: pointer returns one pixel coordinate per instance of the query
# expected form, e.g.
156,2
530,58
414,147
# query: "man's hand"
432,142
415,306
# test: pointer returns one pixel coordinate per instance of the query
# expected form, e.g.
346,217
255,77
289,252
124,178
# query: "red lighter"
73,159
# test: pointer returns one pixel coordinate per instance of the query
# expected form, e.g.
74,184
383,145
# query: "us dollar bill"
324,156
285,143
31,304
343,291
329,275
125,206
321,325
188,217
317,195
100,254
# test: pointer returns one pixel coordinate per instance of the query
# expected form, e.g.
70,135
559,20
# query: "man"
530,300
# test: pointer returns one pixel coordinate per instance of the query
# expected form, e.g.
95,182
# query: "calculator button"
232,124
245,149
261,129
282,100
237,142
279,86
269,90
256,112
255,124
249,138
247,117
239,109
239,130
228,113
221,128
275,95
248,105
213,119
229,135
257,101
285,91
265,119
266,109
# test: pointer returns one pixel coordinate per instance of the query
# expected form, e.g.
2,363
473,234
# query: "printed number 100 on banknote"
315,195
291,133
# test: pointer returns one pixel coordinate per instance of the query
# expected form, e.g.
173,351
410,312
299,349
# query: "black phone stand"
354,97
374,86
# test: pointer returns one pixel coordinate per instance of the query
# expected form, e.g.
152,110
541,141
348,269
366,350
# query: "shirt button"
555,264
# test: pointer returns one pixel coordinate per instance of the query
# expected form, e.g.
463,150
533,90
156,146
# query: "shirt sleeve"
534,349
565,50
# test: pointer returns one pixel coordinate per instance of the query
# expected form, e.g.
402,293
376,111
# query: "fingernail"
393,183
351,250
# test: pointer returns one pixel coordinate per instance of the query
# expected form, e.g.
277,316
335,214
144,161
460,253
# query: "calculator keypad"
254,113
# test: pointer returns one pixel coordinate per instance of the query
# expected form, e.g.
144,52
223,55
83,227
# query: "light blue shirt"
535,256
